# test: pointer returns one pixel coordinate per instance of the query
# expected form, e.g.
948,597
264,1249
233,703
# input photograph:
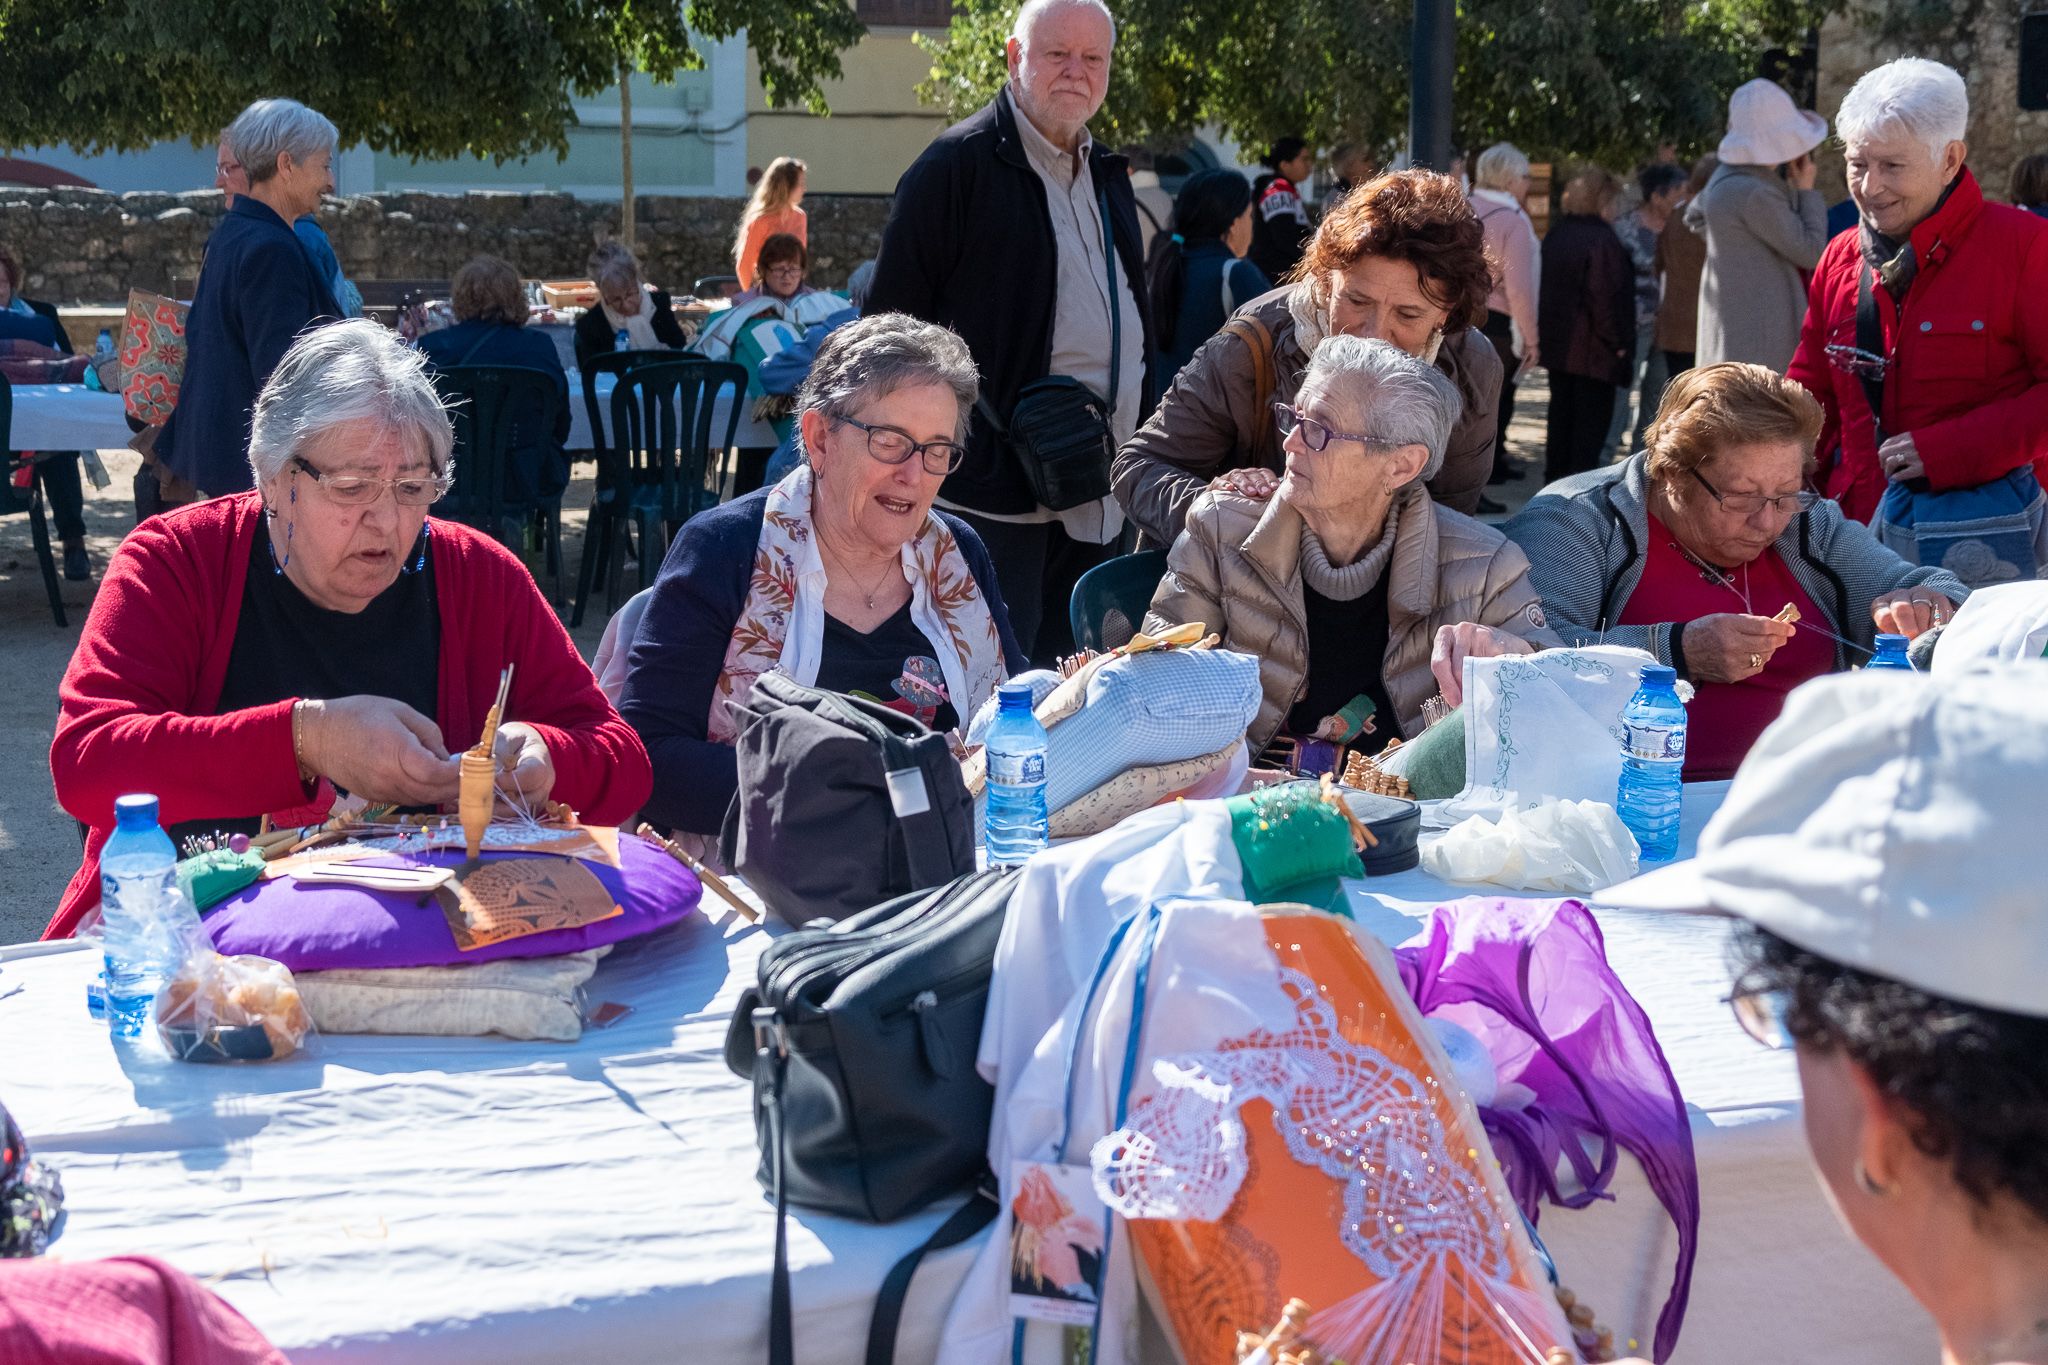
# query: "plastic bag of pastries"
232,1009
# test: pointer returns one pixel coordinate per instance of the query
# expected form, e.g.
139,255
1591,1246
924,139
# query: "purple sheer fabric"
1531,979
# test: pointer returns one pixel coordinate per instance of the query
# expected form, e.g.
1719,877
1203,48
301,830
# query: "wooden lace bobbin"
1364,773
477,795
1594,1339
1279,1344
704,874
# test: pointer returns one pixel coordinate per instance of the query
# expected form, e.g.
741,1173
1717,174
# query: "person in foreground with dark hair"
1894,939
1197,273
1401,259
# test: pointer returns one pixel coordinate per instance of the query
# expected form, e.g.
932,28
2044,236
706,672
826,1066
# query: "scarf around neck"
781,625
1894,260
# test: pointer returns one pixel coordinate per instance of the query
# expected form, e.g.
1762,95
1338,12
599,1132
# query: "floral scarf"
782,624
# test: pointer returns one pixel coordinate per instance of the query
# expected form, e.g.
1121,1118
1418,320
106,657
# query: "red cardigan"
1970,340
137,703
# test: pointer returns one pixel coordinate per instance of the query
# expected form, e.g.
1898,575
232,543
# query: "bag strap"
1870,339
1258,339
769,1053
470,354
1116,311
966,1221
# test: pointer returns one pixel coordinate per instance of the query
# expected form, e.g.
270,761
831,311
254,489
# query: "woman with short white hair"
262,653
1500,196
1359,594
1953,350
260,289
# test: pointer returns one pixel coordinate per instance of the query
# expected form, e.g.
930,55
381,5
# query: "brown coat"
1237,569
1211,421
1681,256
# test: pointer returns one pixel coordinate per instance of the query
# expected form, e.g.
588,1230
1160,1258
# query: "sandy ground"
39,843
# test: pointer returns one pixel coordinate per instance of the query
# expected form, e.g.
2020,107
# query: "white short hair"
1389,393
1032,9
268,128
1499,165
1911,95
347,372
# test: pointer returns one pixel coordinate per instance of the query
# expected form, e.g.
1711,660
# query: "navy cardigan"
258,290
679,650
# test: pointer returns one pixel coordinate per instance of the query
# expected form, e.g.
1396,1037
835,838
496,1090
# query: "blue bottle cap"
1659,674
1014,696
1885,642
138,808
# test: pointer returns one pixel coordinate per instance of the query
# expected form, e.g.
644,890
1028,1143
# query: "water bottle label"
1657,743
1017,770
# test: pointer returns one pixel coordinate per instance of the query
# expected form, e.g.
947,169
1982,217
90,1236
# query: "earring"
426,534
1866,1183
277,566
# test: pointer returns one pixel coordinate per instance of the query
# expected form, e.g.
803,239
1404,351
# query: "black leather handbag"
842,803
860,1040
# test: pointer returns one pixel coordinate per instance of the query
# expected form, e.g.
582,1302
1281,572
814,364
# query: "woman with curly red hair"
1400,259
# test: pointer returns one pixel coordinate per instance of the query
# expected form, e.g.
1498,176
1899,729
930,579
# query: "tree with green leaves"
1603,80
426,78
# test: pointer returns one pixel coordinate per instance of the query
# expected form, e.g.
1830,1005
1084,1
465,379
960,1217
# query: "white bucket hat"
1766,129
1891,822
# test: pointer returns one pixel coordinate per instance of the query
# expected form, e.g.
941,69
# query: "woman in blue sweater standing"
1198,276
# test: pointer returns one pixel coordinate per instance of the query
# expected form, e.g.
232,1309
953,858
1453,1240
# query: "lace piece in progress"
1422,1223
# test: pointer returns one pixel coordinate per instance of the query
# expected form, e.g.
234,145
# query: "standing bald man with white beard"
997,232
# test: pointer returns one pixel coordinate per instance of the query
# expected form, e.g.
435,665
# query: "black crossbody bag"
1059,428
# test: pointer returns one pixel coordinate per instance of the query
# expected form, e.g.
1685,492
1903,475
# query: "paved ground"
39,843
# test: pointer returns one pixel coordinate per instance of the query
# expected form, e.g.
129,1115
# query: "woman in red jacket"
256,654
1957,285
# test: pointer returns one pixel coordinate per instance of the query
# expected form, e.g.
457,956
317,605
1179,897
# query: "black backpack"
860,1040
842,803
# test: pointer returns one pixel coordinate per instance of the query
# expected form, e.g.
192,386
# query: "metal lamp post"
1433,66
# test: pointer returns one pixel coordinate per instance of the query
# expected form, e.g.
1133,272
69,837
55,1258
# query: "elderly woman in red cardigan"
256,654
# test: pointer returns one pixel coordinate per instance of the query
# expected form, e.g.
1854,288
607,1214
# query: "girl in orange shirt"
775,207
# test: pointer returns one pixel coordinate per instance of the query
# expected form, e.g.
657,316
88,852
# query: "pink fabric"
127,1310
1512,249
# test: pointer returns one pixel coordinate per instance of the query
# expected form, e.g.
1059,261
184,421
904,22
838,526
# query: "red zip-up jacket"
1969,349
136,707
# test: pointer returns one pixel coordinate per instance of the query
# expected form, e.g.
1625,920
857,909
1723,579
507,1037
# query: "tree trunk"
626,226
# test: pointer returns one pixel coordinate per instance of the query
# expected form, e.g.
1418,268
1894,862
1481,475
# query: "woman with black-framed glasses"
1710,550
841,575
1358,593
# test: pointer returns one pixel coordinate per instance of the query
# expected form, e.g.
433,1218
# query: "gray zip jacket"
1587,538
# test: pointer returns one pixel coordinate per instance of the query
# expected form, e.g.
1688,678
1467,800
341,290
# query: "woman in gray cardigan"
1764,225
1709,551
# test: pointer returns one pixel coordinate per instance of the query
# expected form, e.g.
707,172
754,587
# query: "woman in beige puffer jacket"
1349,582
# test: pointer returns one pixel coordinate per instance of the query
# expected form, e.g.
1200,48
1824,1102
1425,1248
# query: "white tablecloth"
66,417
415,1199
750,434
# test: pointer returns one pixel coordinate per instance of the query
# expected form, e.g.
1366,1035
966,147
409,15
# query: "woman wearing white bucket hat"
1765,227
1879,845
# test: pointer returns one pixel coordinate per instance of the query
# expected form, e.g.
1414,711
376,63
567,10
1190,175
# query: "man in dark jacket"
259,289
998,233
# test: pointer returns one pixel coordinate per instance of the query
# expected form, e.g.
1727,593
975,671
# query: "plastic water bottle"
622,340
104,347
1652,763
1016,822
1891,653
145,919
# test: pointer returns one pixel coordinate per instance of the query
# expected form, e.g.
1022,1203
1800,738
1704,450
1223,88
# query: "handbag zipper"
788,980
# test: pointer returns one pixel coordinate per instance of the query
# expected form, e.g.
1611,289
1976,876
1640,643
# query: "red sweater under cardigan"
137,702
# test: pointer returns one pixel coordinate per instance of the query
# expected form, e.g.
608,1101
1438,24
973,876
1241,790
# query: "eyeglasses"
784,268
1315,435
891,446
356,490
226,167
1749,504
1762,1016
1854,360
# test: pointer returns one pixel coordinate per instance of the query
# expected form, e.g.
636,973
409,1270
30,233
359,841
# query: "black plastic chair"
29,500
597,550
497,409
715,286
1109,601
657,464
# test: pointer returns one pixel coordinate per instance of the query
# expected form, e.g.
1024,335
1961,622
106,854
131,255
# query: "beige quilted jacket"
1237,567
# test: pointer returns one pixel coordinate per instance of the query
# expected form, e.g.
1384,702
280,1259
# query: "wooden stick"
704,874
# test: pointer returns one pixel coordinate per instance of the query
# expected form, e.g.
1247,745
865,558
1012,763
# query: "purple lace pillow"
315,927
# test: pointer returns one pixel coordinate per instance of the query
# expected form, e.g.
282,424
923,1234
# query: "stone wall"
1979,38
89,246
